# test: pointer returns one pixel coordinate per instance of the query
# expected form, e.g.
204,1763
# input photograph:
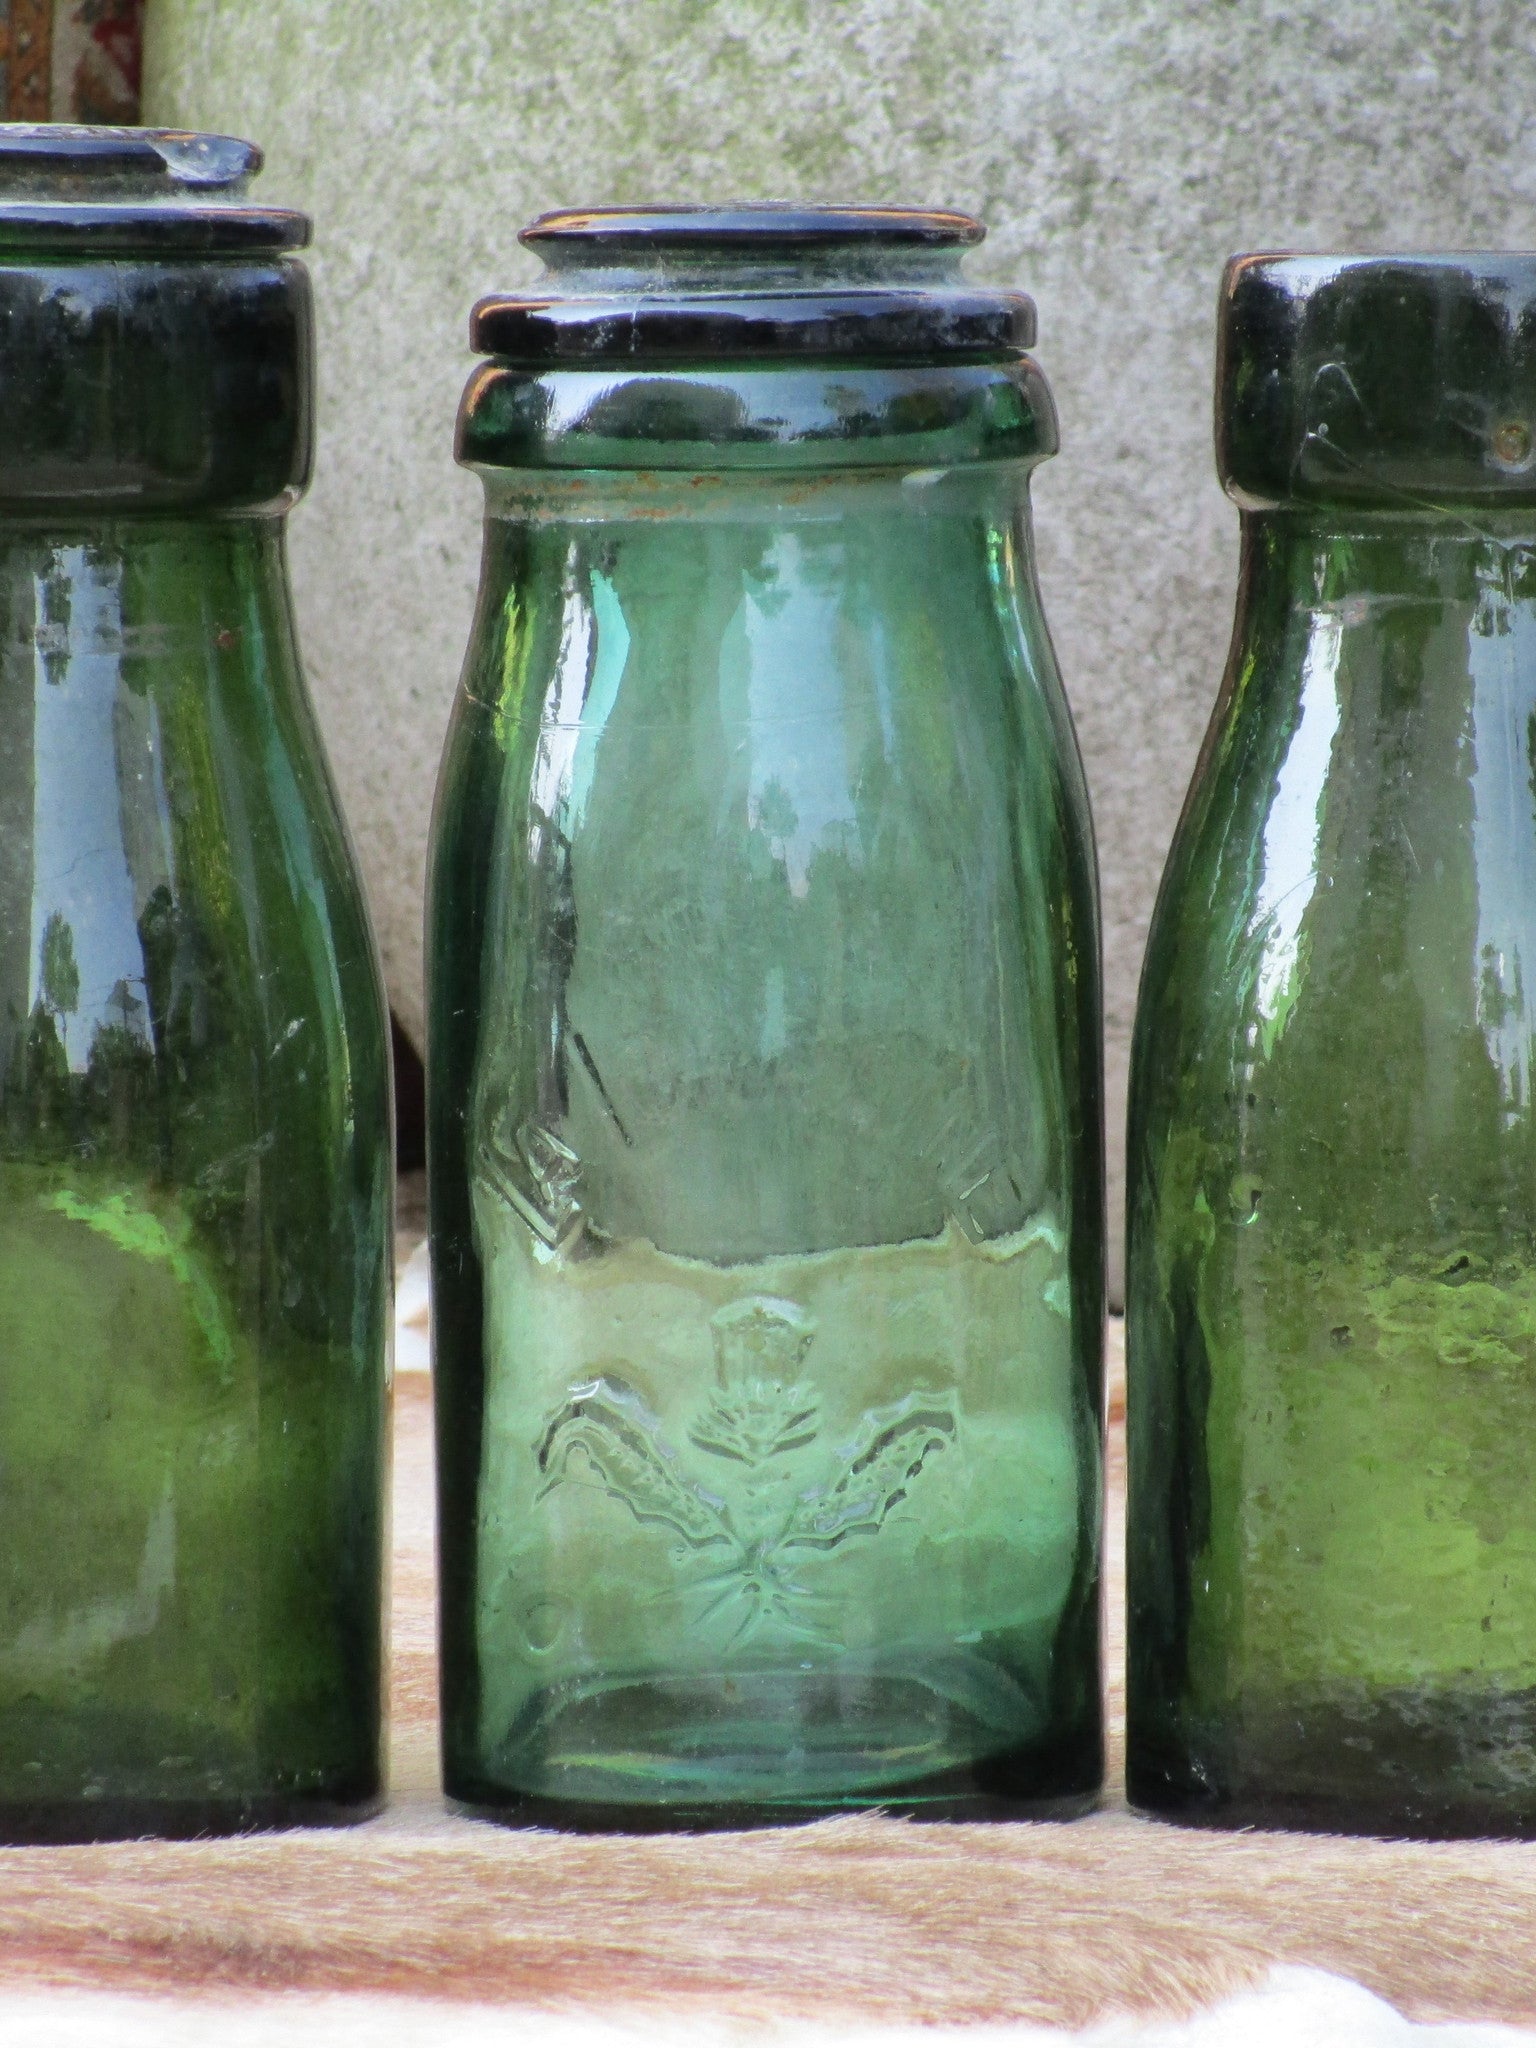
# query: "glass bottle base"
767,1748
1409,1763
120,1820
959,1798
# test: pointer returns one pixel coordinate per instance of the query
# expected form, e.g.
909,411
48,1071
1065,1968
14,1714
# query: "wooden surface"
885,1919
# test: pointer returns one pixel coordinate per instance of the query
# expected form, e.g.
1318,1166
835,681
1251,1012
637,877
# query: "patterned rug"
71,60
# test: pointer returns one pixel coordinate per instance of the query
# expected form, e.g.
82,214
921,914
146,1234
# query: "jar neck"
1363,567
249,548
145,603
996,492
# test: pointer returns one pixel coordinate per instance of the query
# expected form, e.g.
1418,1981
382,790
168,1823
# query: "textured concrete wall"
1118,149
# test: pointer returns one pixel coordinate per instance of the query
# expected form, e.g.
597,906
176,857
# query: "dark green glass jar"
195,1174
765,1141
1332,1248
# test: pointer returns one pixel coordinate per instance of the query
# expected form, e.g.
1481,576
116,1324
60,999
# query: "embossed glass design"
764,1070
1332,1270
195,1178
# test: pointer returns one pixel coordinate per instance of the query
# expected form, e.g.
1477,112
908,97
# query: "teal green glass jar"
1332,1246
764,1099
195,1170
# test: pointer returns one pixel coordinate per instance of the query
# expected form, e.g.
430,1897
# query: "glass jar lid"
133,191
752,283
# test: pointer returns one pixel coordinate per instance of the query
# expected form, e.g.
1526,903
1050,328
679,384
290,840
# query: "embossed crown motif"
749,1527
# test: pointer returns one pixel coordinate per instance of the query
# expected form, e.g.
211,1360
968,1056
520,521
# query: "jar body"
195,1201
765,1162
1332,1188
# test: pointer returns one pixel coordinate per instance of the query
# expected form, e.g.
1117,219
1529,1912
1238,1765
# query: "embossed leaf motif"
747,1528
604,1433
878,1469
539,1175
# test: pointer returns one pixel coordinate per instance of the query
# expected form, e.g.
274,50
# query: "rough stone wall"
1118,149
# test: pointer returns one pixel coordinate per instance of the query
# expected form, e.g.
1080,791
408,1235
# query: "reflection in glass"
194,1201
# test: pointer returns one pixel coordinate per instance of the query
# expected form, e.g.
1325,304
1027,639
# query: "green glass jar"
1332,1172
195,1172
764,1097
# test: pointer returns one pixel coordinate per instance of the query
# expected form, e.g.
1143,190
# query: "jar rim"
776,224
887,325
1393,379
767,283
97,190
